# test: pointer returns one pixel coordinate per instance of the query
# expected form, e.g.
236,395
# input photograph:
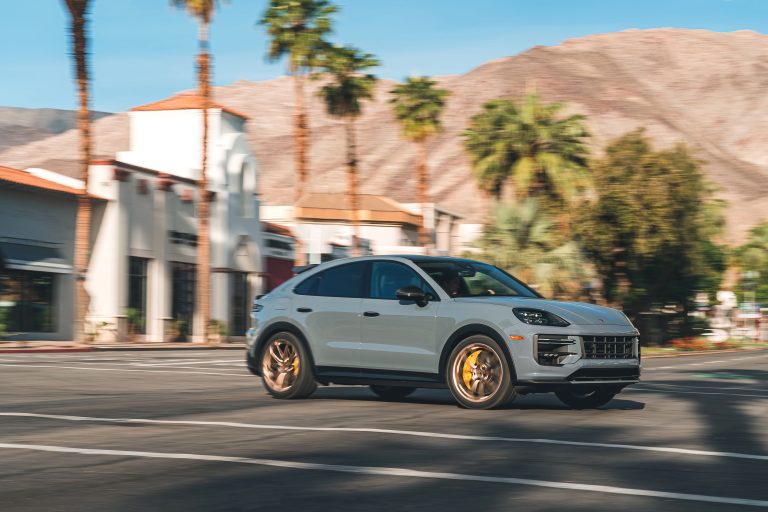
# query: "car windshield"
474,279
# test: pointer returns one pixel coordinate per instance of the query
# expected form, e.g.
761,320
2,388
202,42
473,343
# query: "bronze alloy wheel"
479,375
285,369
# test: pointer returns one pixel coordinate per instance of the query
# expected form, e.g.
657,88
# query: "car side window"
389,276
341,281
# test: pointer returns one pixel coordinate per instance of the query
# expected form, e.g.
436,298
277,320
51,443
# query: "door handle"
370,313
304,310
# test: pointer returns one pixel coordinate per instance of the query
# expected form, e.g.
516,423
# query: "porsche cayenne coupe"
398,323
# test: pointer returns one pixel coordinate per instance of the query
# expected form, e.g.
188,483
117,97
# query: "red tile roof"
186,101
277,229
24,178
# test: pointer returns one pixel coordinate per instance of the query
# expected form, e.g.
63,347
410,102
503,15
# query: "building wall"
142,220
38,216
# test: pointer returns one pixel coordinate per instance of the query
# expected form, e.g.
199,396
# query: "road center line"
393,472
120,369
414,433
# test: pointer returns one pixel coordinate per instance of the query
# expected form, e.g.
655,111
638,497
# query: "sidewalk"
20,347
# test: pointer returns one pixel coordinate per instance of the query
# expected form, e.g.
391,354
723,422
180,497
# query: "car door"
328,305
398,335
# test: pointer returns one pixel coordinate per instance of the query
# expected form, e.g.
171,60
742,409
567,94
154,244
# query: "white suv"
397,323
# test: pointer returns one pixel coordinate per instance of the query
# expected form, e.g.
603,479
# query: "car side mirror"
413,293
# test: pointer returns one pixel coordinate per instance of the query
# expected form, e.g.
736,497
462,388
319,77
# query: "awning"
32,257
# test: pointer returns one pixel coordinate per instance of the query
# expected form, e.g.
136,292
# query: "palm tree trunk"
203,247
301,134
354,200
423,194
78,28
301,139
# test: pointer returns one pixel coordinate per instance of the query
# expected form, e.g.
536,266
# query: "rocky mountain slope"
20,126
702,88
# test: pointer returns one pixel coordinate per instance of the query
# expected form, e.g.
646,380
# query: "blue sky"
143,50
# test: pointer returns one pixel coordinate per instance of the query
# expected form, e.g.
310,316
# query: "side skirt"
367,377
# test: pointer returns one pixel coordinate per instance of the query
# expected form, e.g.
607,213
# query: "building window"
26,301
137,295
184,279
239,304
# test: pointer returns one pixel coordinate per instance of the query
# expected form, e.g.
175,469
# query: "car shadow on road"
543,401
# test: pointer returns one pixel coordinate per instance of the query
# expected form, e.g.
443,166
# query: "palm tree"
78,12
203,11
418,105
524,240
545,153
343,96
297,29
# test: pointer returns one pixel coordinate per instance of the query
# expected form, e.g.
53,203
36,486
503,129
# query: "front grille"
609,347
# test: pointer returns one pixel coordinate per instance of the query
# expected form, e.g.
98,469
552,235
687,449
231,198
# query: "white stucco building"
142,271
321,223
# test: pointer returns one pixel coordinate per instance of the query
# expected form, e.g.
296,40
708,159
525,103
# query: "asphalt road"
195,431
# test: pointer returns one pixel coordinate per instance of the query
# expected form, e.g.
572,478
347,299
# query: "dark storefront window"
137,294
239,306
183,296
26,301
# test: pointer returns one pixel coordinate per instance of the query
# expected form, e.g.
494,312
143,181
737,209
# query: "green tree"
418,105
752,256
78,28
651,229
343,97
524,241
297,29
543,152
202,10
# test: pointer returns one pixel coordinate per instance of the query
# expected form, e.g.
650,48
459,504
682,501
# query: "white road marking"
701,363
393,472
675,391
415,433
746,387
204,361
61,367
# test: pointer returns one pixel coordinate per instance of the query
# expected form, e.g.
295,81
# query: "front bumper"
577,366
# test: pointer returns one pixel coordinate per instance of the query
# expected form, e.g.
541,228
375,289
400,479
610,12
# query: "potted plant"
135,320
217,331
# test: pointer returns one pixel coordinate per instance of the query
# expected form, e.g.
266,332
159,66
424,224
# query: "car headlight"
539,317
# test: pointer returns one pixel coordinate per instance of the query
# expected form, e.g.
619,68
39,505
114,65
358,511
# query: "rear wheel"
478,374
392,392
578,397
285,368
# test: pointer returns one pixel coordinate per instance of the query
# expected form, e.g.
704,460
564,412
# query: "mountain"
705,89
20,126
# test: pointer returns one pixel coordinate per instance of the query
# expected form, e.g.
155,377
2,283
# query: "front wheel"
285,367
578,397
478,374
392,392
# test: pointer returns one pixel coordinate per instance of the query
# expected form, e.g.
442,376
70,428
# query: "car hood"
578,313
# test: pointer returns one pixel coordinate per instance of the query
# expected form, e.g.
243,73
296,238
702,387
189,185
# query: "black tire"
492,374
578,397
278,380
392,392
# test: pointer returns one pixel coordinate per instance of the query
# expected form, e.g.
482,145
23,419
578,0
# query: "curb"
43,350
138,349
46,350
705,353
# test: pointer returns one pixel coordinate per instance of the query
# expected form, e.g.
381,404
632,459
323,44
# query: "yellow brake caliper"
466,371
296,365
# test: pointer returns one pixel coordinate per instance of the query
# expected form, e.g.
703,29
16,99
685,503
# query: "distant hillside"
23,125
703,88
